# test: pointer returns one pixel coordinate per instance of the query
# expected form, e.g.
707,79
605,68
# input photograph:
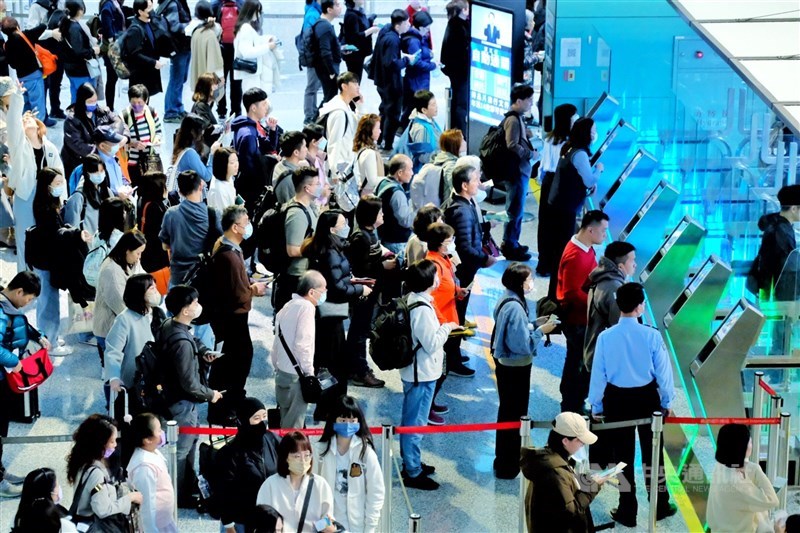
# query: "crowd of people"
338,220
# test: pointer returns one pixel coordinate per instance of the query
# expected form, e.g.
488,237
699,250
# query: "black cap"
246,408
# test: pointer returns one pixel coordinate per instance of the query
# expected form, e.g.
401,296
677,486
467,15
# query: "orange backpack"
47,59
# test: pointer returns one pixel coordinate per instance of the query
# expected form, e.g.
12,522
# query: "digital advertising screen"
490,61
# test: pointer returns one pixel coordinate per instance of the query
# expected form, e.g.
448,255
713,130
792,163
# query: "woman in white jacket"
29,151
250,45
348,462
147,472
369,160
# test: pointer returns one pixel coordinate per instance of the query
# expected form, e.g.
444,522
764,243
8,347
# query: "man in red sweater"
577,262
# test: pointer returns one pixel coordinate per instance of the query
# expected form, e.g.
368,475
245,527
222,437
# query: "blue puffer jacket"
418,75
16,333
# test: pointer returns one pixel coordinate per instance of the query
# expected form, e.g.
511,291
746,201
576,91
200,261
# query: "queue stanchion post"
414,523
525,427
758,411
448,102
657,426
386,464
776,402
172,463
783,457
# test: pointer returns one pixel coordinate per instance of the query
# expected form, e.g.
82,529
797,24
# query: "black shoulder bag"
309,385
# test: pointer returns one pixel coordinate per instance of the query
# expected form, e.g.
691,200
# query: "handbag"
81,319
93,66
151,162
245,65
45,58
333,310
489,245
114,523
36,368
310,386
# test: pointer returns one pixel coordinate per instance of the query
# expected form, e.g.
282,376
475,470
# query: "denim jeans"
48,315
397,248
516,190
34,93
313,85
77,81
205,334
416,406
184,413
178,74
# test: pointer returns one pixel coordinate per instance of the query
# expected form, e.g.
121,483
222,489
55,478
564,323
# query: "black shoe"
506,474
58,115
367,380
626,521
172,119
517,255
666,512
461,371
427,470
523,248
464,358
421,482
542,273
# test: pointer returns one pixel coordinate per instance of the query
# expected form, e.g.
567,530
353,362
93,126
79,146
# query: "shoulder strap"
73,509
291,358
499,308
305,503
144,214
309,229
419,344
283,175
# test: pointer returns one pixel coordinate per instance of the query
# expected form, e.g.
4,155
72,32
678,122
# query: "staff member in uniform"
631,378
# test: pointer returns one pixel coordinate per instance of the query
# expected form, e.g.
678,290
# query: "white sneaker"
7,490
61,350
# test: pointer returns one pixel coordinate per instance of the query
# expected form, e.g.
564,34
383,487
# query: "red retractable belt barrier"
457,428
769,390
722,421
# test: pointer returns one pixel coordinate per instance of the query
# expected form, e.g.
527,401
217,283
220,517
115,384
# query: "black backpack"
390,343
271,237
148,394
305,42
201,277
547,306
269,199
498,162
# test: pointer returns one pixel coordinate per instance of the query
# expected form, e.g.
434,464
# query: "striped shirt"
142,131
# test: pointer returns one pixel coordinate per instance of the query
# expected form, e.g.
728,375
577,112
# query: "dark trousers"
629,404
574,378
544,236
513,384
390,108
361,314
329,353
355,64
459,105
53,82
234,86
229,372
561,230
111,83
285,286
329,89
452,357
7,401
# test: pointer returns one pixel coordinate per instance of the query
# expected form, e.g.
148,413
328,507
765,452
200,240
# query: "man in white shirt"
341,121
295,324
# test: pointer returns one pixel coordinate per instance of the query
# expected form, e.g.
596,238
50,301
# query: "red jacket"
444,297
573,271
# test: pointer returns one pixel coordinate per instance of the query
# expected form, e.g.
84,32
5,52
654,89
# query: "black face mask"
253,433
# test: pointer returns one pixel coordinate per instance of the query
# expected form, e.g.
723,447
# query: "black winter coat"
461,215
242,468
333,264
777,244
141,54
390,62
78,135
366,256
355,24
184,374
455,49
77,51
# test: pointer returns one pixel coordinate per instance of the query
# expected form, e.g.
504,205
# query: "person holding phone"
517,332
558,498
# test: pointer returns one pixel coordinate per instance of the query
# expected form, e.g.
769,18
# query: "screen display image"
490,61
729,322
701,275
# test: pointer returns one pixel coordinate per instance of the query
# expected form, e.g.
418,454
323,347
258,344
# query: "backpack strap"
73,509
419,344
499,308
309,229
306,502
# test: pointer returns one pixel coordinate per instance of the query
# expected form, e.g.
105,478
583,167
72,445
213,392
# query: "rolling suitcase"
24,407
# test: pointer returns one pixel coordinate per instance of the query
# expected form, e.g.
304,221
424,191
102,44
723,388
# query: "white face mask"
451,248
322,144
480,196
152,298
197,311
344,232
594,136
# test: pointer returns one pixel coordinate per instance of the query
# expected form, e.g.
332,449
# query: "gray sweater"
108,302
124,342
103,502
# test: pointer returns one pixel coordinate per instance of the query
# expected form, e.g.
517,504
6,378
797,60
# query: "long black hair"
562,123
94,194
90,439
112,215
189,135
44,203
580,136
323,239
130,241
249,14
346,407
37,511
83,93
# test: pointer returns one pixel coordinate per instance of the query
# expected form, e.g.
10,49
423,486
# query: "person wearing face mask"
302,498
147,471
145,44
244,464
95,496
18,295
232,295
144,124
50,235
183,384
29,151
40,509
83,207
515,337
420,377
206,89
301,220
295,331
573,181
84,116
558,499
132,329
316,144
108,143
346,459
441,244
326,252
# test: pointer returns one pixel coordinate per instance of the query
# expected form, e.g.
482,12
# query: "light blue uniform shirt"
114,171
630,355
